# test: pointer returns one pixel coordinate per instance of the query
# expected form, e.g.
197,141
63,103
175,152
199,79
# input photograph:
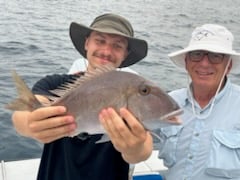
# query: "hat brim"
178,57
137,47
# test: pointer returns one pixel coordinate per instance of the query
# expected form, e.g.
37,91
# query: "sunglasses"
213,58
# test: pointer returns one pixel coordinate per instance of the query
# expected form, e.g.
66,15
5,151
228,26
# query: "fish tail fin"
26,99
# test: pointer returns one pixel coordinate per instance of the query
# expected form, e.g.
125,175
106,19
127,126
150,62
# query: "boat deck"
27,169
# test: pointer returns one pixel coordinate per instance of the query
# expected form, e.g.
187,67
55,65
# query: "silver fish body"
86,96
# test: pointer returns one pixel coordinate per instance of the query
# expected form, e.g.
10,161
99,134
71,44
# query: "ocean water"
34,40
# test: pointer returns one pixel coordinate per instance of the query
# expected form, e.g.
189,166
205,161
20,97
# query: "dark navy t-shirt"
74,158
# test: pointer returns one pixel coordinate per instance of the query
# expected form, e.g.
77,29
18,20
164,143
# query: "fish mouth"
171,115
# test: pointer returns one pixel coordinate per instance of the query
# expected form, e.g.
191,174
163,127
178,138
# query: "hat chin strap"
199,116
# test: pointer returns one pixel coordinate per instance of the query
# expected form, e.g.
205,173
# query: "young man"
207,144
108,40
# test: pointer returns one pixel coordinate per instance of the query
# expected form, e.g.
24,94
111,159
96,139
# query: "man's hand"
127,134
44,124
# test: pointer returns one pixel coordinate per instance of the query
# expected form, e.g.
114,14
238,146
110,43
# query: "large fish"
86,96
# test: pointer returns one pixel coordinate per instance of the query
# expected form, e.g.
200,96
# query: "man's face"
206,75
103,48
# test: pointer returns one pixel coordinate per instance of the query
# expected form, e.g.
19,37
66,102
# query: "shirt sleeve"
44,85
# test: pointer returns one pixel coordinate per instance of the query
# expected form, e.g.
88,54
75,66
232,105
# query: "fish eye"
144,90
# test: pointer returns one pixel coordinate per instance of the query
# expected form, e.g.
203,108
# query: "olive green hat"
112,24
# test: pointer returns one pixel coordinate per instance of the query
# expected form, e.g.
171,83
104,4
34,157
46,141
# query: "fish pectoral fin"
104,138
156,136
173,120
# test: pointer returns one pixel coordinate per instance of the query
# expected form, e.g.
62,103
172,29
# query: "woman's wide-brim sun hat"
111,24
209,37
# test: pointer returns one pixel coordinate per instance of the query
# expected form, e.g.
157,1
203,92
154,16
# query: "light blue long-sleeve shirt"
204,149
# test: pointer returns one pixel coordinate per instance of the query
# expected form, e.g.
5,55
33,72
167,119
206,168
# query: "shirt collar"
218,97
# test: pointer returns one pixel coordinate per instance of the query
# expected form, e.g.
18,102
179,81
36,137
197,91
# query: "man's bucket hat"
209,37
112,24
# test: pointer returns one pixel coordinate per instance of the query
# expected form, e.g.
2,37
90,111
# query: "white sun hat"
209,37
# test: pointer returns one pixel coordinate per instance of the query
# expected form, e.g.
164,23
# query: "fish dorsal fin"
71,85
